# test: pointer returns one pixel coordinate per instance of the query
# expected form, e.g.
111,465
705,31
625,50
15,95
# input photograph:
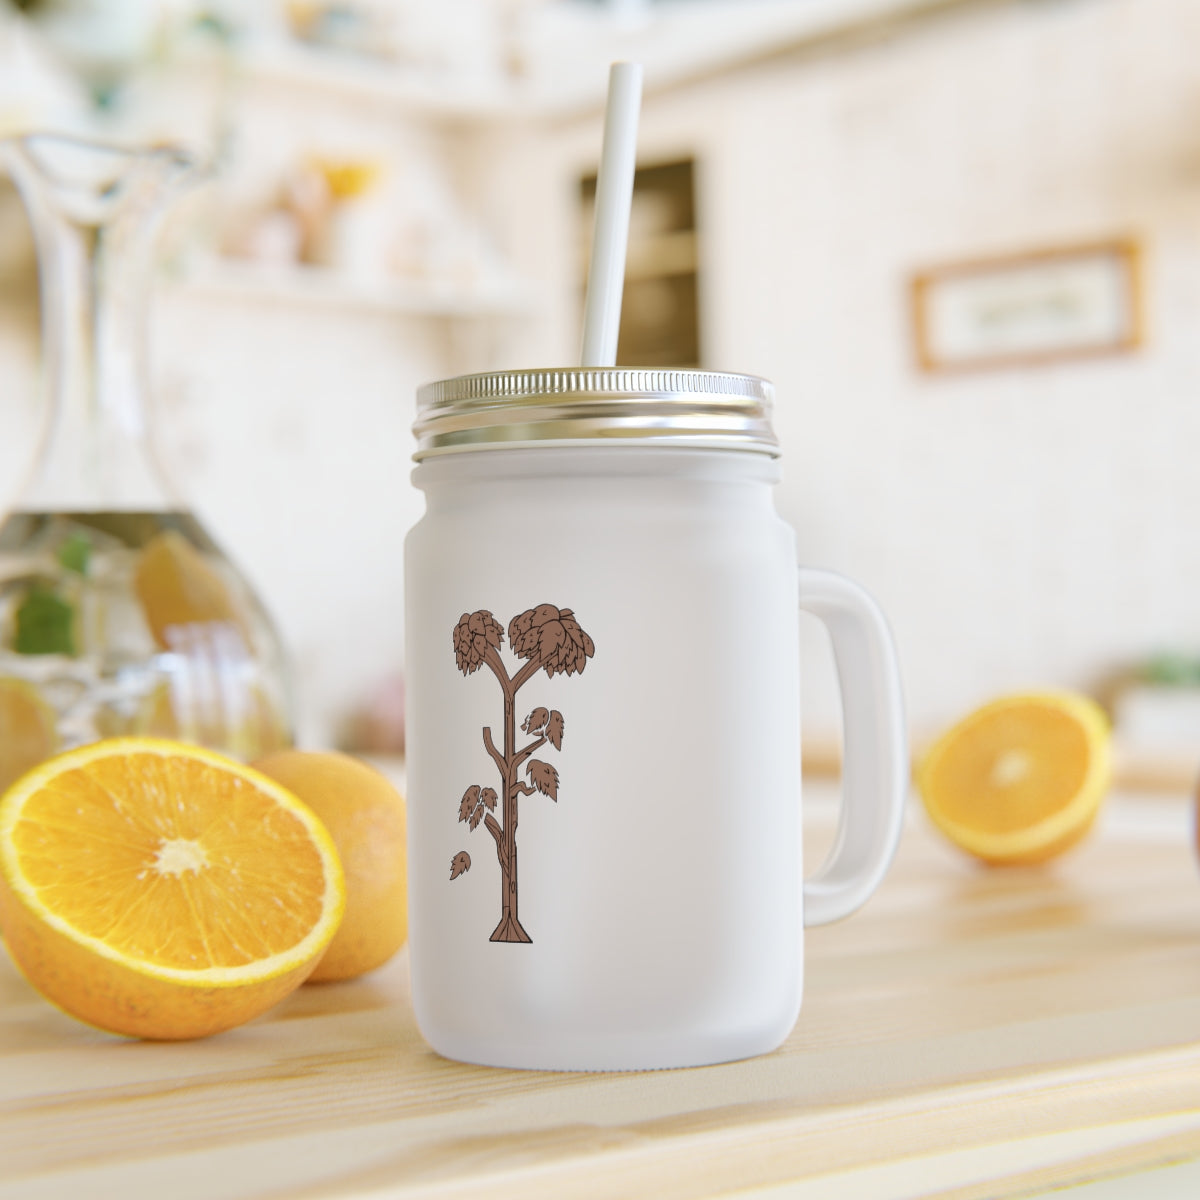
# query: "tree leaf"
476,817
488,797
554,729
543,777
473,634
494,631
534,722
469,800
521,637
520,624
550,638
460,864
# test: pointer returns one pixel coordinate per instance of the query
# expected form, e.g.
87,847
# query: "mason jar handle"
875,762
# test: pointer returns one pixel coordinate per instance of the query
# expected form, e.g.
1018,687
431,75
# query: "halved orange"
161,890
1019,780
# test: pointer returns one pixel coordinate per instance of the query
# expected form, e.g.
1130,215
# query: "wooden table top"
970,1032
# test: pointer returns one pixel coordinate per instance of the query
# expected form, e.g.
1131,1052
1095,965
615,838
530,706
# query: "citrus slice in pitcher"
177,586
162,891
28,728
1021,779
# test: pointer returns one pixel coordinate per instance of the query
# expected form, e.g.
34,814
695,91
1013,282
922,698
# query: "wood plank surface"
971,1032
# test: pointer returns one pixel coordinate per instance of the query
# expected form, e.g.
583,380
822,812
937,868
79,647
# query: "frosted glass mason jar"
604,724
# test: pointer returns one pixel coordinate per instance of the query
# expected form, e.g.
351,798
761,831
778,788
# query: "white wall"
1023,527
1019,527
290,434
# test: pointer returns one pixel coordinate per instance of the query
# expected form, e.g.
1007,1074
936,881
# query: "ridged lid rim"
573,405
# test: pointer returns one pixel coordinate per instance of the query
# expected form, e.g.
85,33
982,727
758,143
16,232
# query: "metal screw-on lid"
510,409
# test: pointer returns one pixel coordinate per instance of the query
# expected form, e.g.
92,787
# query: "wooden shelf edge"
1135,769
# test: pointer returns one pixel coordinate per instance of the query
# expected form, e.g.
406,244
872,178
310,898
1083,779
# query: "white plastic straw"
610,234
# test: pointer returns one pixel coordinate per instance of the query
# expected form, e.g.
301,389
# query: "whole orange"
366,818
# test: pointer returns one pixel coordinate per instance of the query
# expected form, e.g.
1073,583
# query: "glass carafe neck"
96,212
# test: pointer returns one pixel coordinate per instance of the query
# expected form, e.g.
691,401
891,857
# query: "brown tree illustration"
547,639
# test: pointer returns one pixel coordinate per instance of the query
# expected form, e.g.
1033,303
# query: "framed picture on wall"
1042,306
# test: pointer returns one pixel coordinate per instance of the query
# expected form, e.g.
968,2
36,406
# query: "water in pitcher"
129,623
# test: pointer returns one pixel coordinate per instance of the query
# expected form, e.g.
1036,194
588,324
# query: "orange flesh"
1018,766
172,883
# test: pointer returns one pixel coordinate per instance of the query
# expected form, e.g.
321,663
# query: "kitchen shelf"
372,82
319,287
664,254
359,79
561,50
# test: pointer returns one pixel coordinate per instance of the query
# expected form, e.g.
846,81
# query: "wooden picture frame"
1042,306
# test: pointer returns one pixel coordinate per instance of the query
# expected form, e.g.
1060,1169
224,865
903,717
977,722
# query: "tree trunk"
509,929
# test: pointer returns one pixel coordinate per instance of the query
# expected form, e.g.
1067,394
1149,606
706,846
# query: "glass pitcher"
119,614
